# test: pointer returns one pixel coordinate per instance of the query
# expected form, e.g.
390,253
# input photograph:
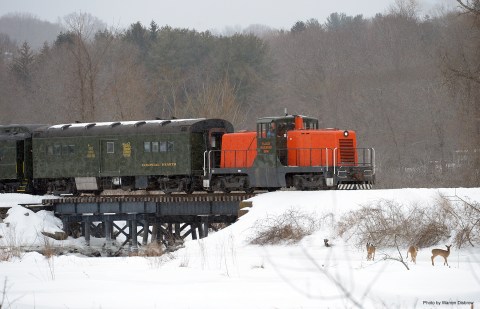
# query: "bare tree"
406,8
124,90
215,100
471,6
87,58
461,67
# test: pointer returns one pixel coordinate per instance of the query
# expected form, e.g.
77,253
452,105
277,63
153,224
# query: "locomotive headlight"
345,133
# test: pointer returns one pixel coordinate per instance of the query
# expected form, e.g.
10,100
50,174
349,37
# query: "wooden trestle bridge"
165,219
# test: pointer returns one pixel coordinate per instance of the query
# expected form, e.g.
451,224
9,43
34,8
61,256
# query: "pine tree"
23,63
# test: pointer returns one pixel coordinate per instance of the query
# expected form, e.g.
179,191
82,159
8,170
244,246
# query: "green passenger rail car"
16,158
153,154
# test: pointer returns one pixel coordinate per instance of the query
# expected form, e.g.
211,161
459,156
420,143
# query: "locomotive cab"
272,137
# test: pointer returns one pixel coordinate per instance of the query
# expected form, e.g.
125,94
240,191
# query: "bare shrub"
155,254
464,217
12,245
289,228
388,224
430,234
385,220
152,249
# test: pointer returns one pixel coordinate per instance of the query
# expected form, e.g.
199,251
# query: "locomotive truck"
182,155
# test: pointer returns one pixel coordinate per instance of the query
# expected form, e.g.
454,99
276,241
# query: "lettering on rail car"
163,164
127,150
90,151
266,147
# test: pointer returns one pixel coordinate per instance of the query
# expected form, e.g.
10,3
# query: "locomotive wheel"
298,184
188,189
249,190
224,188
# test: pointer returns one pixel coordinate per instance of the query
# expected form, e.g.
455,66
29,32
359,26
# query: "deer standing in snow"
370,252
413,253
441,252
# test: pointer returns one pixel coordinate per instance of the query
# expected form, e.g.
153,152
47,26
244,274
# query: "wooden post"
204,225
194,231
133,235
155,232
146,230
170,237
108,232
86,229
177,236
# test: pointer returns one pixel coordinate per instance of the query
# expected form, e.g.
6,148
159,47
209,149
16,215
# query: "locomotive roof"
18,131
286,117
133,127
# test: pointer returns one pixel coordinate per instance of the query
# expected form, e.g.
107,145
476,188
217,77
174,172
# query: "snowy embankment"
225,271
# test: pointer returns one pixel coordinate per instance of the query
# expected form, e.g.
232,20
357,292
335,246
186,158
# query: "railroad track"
172,198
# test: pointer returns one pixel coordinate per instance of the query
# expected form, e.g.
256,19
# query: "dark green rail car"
16,158
157,154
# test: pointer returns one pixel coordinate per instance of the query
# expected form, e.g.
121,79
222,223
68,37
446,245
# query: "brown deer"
413,253
370,252
441,252
326,243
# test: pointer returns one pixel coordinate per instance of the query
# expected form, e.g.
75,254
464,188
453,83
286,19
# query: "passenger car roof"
132,127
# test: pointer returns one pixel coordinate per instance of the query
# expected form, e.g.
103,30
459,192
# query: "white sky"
202,14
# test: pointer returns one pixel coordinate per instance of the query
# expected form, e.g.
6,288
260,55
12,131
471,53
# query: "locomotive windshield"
278,126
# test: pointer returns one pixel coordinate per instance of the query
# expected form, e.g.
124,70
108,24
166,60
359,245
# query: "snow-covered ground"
224,271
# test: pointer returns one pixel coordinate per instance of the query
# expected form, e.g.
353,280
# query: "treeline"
409,86
101,75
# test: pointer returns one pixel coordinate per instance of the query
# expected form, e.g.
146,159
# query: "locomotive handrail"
335,161
205,161
209,159
366,153
206,157
363,157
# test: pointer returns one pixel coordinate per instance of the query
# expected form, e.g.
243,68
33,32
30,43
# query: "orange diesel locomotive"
289,151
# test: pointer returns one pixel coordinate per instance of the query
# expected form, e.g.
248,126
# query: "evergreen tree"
23,63
139,36
65,38
153,31
298,27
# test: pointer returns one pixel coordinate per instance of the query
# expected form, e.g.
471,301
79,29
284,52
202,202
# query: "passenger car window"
71,149
57,150
110,147
146,147
163,146
170,146
154,146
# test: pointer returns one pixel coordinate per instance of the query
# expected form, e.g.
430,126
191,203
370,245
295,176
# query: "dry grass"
12,247
152,249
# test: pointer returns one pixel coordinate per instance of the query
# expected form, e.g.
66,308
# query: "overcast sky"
202,14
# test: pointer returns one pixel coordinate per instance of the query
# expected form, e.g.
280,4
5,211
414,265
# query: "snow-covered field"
224,271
